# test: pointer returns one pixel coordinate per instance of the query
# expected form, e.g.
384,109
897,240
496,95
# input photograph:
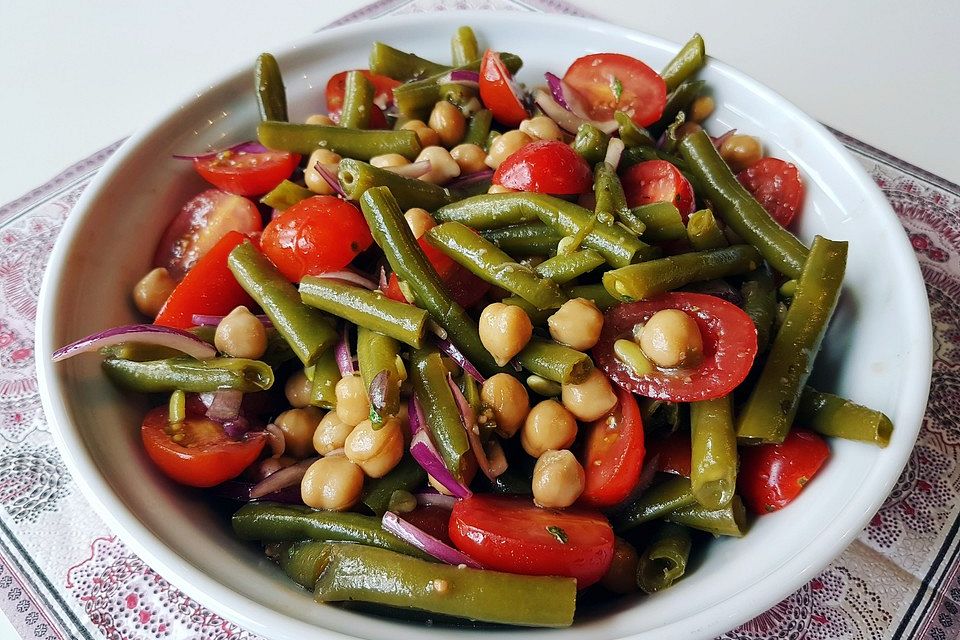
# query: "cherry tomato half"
776,185
613,456
465,288
772,475
658,181
611,82
497,92
545,166
204,457
673,453
729,347
510,533
247,174
319,234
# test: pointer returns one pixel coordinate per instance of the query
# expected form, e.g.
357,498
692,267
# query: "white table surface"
78,76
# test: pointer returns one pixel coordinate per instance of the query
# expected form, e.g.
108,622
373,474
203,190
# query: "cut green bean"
728,521
419,96
479,128
760,303
463,46
673,112
687,62
611,203
664,561
359,144
303,561
788,289
632,134
713,443
563,269
661,220
596,293
189,374
357,101
377,355
406,476
838,417
656,502
542,386
285,195
525,240
357,177
400,65
769,412
326,375
703,232
271,94
647,279
308,332
439,408
554,361
591,144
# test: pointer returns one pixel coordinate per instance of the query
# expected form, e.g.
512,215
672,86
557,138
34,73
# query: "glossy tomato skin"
497,93
383,87
432,519
510,533
545,166
777,186
247,174
205,457
658,181
772,475
614,453
600,77
319,234
729,348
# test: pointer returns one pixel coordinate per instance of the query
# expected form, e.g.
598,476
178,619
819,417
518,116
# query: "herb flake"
558,533
617,87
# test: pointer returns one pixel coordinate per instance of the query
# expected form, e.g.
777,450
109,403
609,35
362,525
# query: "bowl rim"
256,617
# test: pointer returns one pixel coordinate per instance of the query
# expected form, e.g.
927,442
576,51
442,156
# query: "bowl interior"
109,240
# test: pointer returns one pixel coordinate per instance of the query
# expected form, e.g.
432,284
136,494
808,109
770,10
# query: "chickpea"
499,188
334,484
298,427
298,389
470,157
621,577
419,220
558,479
448,122
427,136
740,151
701,108
353,404
577,324
376,451
507,398
541,128
503,146
591,399
152,291
388,160
671,338
312,178
330,434
241,335
442,165
504,330
319,118
548,426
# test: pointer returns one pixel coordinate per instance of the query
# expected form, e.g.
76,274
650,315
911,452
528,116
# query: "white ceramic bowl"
878,350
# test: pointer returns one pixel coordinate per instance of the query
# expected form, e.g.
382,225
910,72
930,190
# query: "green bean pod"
632,134
400,65
731,520
760,303
647,279
326,375
837,417
691,57
419,96
678,100
525,240
285,195
664,561
661,221
563,269
439,408
406,476
303,561
554,361
188,374
769,412
377,356
357,101
479,128
656,502
463,47
596,293
271,94
713,442
478,213
350,143
308,332
357,177
609,196
703,232
591,144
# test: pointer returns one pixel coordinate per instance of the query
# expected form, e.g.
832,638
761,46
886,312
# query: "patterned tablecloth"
64,574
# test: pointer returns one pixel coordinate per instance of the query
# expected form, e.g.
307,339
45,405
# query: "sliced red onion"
426,542
426,455
142,334
276,440
236,428
451,350
250,146
468,418
384,283
412,170
566,96
240,491
471,179
462,77
225,405
435,500
614,151
330,178
286,477
567,120
350,277
722,138
200,320
415,415
342,353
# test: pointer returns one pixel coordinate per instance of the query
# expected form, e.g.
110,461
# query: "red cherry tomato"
322,233
208,289
545,166
204,457
497,92
433,520
247,174
673,453
613,456
611,82
465,287
201,223
729,347
509,533
772,475
776,185
383,96
658,181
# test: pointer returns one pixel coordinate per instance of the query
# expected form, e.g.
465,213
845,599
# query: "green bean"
189,374
713,442
356,573
278,349
556,362
590,143
493,135
139,352
525,240
464,47
370,309
419,96
673,112
661,220
838,417
544,387
326,375
728,521
271,522
788,289
392,233
350,143
760,302
479,128
357,177
285,195
478,213
357,101
457,94
377,355
271,94
670,136
772,405
596,293
632,134
664,561
308,332
482,258
439,408
400,65
738,209
406,476
656,502
177,407
563,269
647,279
537,316
703,232
691,57
609,196
303,561
659,415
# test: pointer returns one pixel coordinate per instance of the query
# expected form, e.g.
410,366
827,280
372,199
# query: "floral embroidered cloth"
63,573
